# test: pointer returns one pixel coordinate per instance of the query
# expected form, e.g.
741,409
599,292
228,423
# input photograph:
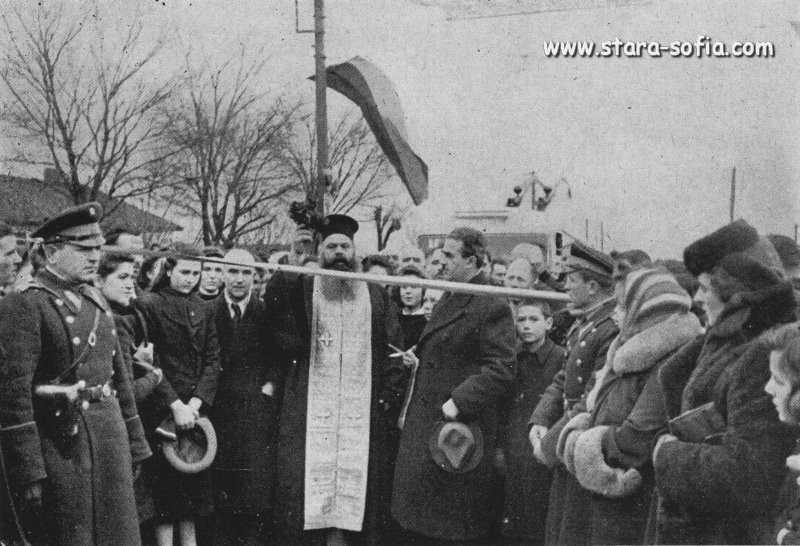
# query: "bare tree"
227,140
88,111
361,175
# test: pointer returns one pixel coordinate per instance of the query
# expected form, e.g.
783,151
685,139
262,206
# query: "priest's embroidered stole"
337,424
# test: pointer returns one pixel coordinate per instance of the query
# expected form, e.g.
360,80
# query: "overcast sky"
647,145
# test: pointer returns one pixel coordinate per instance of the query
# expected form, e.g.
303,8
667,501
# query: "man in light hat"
590,286
333,337
69,428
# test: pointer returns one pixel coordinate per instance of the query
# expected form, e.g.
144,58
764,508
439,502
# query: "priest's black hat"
78,226
338,223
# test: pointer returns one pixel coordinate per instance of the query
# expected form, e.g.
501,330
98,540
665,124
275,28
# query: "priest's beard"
339,289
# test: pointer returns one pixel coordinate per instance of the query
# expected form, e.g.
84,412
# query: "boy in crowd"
527,484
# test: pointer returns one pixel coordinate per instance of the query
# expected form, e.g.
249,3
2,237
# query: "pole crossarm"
447,286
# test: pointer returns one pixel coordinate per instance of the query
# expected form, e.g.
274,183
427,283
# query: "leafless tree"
227,140
88,110
361,175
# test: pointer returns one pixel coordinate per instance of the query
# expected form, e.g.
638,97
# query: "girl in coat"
719,470
784,388
185,340
608,448
116,280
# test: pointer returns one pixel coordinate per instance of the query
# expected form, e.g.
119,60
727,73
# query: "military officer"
591,290
69,430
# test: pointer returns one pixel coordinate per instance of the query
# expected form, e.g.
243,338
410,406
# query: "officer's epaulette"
33,284
94,294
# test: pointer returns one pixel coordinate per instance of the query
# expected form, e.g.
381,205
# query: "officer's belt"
96,394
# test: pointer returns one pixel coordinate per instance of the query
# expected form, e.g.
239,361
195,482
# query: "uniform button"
580,379
114,352
58,413
579,362
70,320
789,524
59,302
594,329
85,405
113,331
191,313
108,314
76,340
583,344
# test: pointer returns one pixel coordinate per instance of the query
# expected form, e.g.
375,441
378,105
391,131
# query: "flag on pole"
363,83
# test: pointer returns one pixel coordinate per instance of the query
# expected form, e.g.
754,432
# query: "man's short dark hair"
542,305
376,260
473,243
499,261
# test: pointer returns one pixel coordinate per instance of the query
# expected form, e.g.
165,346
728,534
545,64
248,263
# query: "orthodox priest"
333,336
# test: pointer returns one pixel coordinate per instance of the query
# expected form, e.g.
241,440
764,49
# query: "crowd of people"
195,396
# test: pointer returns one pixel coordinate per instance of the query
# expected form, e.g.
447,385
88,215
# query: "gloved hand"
535,436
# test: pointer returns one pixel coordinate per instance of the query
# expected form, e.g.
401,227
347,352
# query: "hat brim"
188,454
474,457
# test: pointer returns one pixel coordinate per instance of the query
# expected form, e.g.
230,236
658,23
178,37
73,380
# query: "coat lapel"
450,310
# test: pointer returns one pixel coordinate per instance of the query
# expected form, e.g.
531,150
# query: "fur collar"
649,346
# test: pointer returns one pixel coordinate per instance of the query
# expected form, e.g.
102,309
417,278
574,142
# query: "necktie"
237,315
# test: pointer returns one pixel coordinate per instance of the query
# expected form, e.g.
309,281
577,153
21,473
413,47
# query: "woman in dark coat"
116,281
185,340
718,477
784,387
611,457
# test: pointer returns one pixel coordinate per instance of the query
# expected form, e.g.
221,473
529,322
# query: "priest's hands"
450,410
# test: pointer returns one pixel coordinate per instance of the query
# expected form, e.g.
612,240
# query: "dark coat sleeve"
396,375
498,362
743,474
630,445
123,383
207,384
20,349
551,407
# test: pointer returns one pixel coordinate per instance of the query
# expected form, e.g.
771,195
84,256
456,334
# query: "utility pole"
733,193
322,106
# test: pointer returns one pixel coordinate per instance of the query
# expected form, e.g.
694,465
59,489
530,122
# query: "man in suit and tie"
466,366
244,413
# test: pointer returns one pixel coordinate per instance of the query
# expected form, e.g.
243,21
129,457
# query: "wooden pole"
322,105
733,193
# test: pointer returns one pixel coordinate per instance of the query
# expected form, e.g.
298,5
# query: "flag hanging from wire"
363,83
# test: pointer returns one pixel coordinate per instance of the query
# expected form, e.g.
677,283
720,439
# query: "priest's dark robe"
289,309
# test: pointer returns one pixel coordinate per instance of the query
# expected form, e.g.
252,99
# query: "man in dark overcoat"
466,366
313,319
70,430
244,412
591,291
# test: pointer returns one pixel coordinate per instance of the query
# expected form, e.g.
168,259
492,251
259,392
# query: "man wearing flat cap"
332,336
69,429
591,290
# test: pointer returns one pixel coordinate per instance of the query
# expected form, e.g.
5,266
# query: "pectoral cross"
327,340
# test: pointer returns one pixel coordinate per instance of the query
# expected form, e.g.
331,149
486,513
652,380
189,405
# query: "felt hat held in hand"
456,447
188,451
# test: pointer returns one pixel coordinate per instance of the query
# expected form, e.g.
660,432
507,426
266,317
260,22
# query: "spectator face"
412,256
302,249
708,299
118,286
338,253
499,273
10,260
431,298
779,388
532,325
184,276
435,266
580,291
377,270
211,278
75,263
411,296
519,275
238,282
456,267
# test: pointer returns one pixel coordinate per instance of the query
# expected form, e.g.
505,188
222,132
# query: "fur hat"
595,474
703,255
456,447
